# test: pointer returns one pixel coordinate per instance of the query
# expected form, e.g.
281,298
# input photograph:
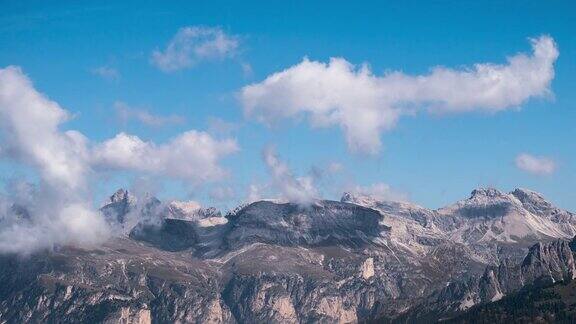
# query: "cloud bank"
195,44
58,210
538,165
365,105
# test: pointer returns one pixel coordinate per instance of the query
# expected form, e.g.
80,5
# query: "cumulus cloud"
192,155
125,113
364,105
300,190
379,191
30,129
194,44
107,73
538,165
58,209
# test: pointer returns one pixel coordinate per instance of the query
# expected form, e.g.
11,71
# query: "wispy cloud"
539,165
126,113
380,191
300,190
194,44
247,69
364,105
335,167
106,72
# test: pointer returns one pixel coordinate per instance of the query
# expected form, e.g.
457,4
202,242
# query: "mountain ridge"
357,259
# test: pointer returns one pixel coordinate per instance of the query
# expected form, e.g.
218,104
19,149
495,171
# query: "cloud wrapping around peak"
194,44
538,165
57,212
299,190
365,105
58,209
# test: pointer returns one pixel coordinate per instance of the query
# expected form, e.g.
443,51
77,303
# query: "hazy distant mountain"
359,259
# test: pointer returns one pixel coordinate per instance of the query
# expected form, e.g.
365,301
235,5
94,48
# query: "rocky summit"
355,260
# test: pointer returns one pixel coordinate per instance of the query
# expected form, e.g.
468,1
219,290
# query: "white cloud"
380,191
300,190
59,209
365,105
192,45
107,73
59,212
191,156
539,165
126,113
30,127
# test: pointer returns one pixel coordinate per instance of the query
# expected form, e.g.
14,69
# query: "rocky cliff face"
355,260
544,264
320,224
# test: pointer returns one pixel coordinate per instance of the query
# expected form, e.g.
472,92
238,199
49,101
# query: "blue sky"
433,159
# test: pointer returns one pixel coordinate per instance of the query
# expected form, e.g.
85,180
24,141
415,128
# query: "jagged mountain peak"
193,211
182,209
121,195
348,197
118,206
487,192
359,199
355,260
531,199
526,192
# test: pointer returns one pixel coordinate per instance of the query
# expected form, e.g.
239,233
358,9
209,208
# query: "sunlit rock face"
322,223
351,261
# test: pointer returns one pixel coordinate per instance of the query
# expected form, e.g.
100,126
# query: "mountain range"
355,260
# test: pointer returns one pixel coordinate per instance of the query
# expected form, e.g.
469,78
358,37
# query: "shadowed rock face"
544,264
120,280
170,235
549,262
119,205
356,260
